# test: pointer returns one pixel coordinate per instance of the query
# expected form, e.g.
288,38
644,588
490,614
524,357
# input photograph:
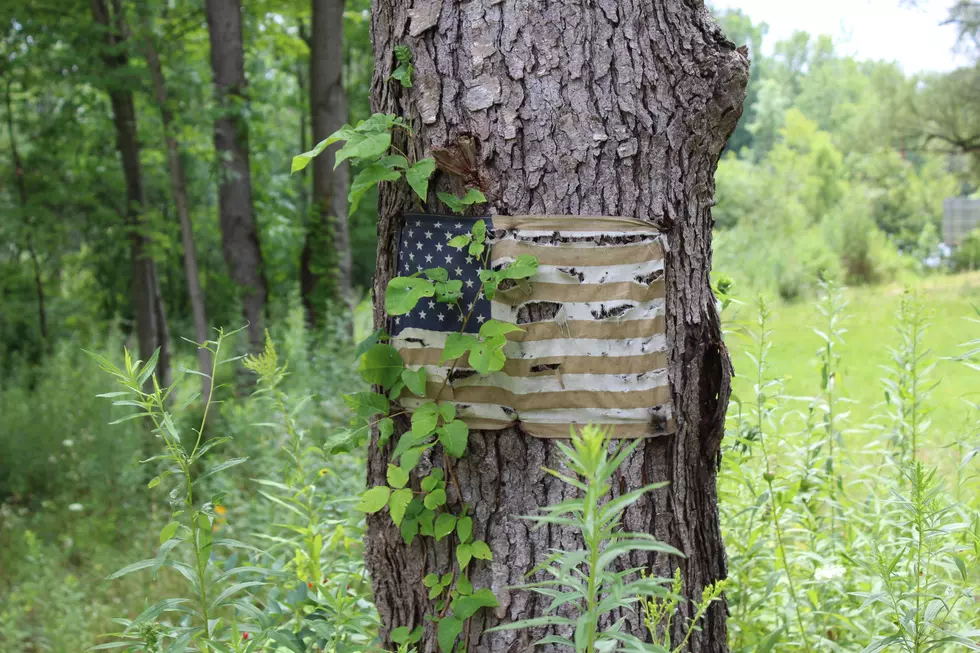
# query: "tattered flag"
593,346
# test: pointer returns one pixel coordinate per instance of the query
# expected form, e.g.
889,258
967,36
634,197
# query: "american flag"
592,347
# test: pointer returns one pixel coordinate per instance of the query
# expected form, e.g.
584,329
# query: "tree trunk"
151,318
42,317
178,186
618,107
239,235
325,264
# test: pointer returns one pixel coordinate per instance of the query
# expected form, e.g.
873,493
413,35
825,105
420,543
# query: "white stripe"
580,232
552,382
475,411
594,415
584,310
585,347
542,348
568,274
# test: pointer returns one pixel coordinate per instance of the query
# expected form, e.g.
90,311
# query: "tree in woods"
325,263
178,187
151,318
611,108
239,233
28,220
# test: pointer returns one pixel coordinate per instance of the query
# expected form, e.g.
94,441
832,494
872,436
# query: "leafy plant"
585,584
209,614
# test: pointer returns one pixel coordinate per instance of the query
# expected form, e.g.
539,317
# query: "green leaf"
454,436
169,531
402,635
464,529
525,267
449,292
493,328
369,342
481,550
415,381
409,529
424,420
367,179
446,633
397,477
220,468
367,404
437,274
403,293
488,356
447,411
464,553
430,482
479,229
300,161
398,503
136,566
430,580
385,428
374,499
457,344
381,365
418,176
445,523
465,607
461,241
435,499
364,146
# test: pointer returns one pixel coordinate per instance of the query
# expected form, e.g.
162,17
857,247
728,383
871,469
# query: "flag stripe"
623,311
611,330
545,400
569,364
586,292
579,253
556,381
641,273
580,223
625,431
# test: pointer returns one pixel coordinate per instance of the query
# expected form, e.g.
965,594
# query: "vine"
421,508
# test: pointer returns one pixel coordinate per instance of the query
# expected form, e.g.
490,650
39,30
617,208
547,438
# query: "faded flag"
593,347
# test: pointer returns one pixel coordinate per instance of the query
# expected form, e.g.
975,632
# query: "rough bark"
178,187
239,234
614,107
42,318
325,264
151,318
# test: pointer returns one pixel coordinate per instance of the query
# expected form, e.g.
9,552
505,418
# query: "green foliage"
966,256
586,585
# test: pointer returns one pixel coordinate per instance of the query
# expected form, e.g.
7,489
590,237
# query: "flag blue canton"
424,245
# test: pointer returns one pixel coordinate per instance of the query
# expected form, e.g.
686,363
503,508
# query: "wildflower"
309,585
244,636
76,507
68,443
829,572
220,510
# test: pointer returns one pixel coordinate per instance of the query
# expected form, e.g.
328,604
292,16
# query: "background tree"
151,316
325,264
239,233
568,121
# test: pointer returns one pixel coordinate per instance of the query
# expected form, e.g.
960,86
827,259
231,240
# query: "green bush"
966,256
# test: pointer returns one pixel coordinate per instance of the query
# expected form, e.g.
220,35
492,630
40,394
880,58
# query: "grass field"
870,319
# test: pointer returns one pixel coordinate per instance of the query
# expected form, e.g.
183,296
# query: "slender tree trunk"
325,264
615,107
239,233
42,318
178,186
302,178
151,319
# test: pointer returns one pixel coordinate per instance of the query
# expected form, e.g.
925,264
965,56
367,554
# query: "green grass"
870,319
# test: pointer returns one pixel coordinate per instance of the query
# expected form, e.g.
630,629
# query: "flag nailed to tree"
590,346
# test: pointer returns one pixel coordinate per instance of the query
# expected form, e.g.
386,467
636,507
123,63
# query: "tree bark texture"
325,264
612,107
178,187
239,233
151,318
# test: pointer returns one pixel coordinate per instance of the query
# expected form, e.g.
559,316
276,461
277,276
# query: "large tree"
239,233
325,264
618,107
151,318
